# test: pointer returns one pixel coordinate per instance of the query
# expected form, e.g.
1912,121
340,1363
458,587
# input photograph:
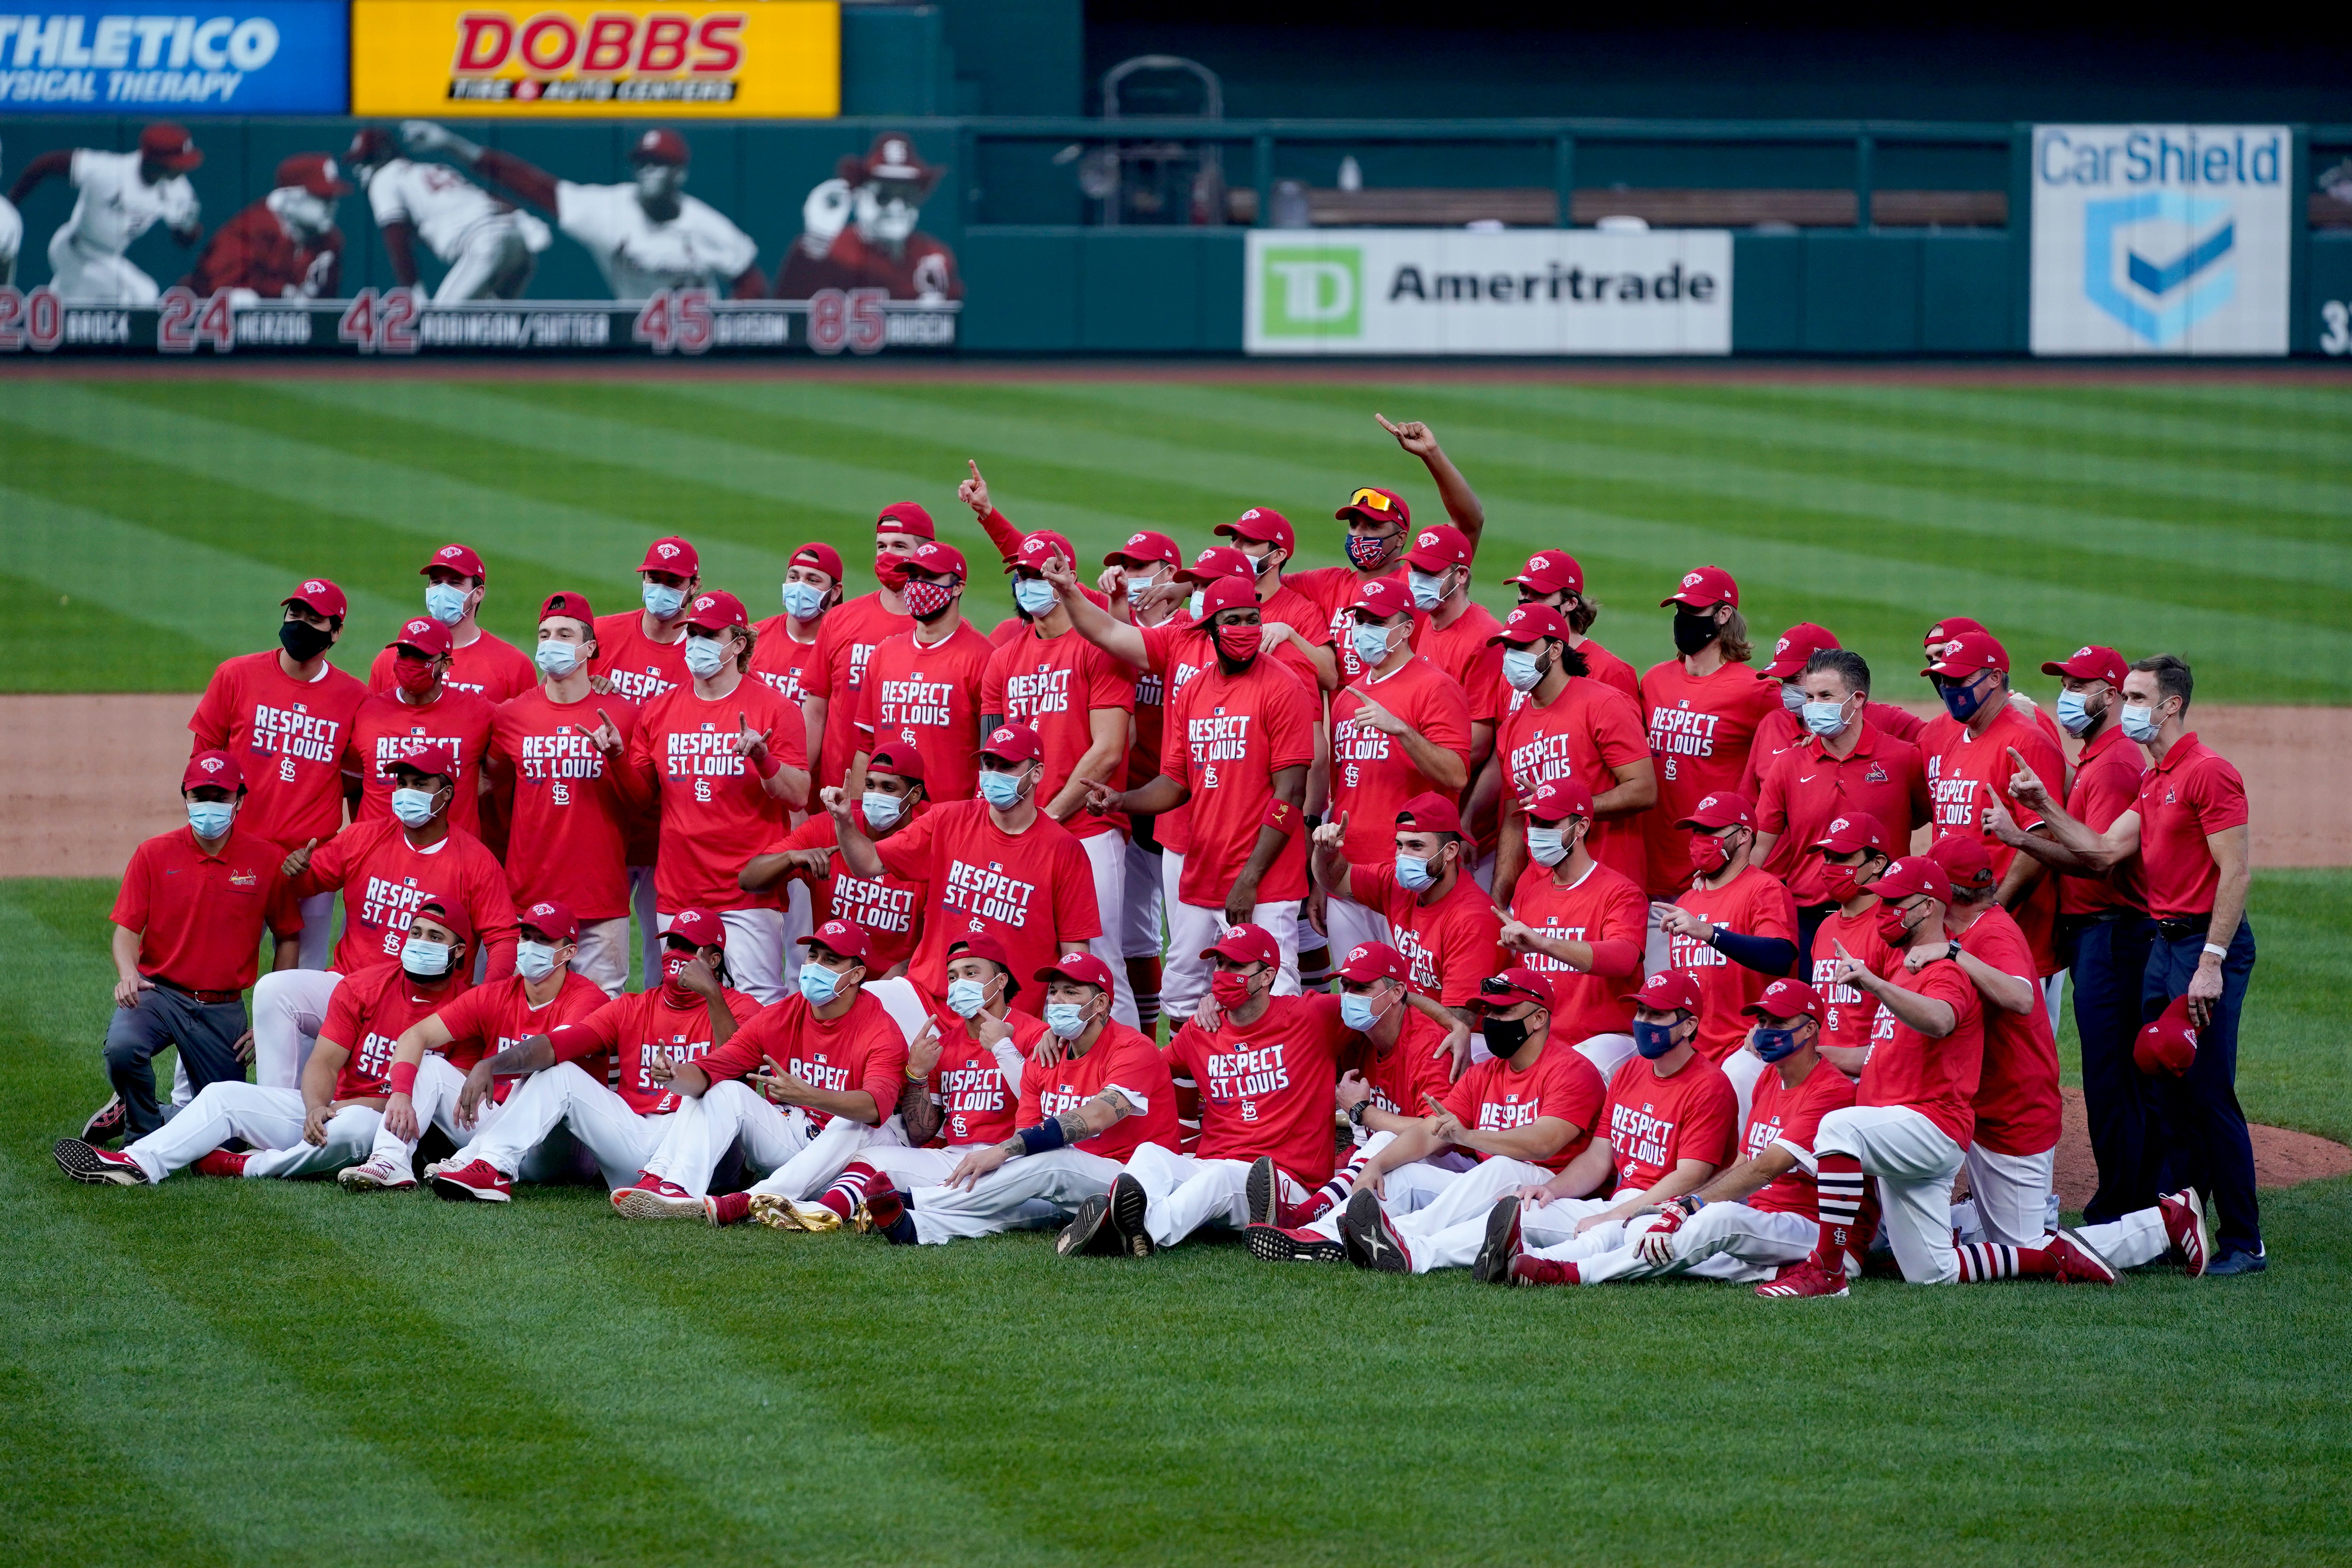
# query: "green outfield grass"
263,1372
154,523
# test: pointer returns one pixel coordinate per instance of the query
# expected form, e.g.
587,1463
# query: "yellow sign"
760,59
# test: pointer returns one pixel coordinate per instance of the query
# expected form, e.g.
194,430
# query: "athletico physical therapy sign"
262,57
2161,239
774,58
1459,291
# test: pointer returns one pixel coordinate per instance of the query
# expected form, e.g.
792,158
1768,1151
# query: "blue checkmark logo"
2171,296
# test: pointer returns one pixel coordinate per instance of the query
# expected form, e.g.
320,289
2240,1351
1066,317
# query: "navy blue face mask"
1653,1040
1773,1044
1962,701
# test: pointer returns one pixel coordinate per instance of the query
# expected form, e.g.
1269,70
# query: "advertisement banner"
774,59
1461,291
262,57
2161,239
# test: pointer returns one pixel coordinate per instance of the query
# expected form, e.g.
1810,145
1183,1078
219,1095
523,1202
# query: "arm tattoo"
918,1112
1074,1126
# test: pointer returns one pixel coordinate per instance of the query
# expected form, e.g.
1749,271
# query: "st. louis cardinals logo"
704,603
1135,539
447,551
1426,540
1837,827
419,629
314,586
212,764
538,912
666,552
1692,579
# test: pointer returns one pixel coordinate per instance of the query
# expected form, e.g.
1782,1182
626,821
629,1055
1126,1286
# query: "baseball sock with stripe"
1839,1183
848,1190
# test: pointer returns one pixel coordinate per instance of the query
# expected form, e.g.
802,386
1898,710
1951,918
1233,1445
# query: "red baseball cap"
1667,991
839,938
1146,548
1529,622
1430,812
982,944
1550,571
1962,856
1786,999
1246,944
1216,563
2168,1043
427,762
897,757
1947,628
170,145
700,927
1375,504
2093,663
450,912
1383,598
1724,809
458,558
1912,876
321,597
216,769
1558,799
1083,967
1228,594
1013,743
1040,547
1513,987
1797,645
1854,830
315,173
1439,546
931,555
1707,586
1964,655
1261,525
1370,961
717,611
551,919
660,145
819,554
906,517
574,606
673,555
424,634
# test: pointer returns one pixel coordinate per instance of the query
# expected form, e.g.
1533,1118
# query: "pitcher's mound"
2282,1158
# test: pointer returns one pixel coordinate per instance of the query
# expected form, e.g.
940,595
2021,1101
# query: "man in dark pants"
187,939
2190,832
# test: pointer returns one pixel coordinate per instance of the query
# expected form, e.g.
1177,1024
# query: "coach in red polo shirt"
2190,831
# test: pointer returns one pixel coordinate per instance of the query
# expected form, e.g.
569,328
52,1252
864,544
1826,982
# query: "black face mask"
1694,631
302,641
1503,1036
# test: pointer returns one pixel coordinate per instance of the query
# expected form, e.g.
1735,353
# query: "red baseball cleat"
2078,1264
650,1197
884,1205
1275,1244
1526,1270
1493,1264
1806,1278
105,1125
221,1163
477,1179
2184,1221
728,1208
1293,1216
99,1167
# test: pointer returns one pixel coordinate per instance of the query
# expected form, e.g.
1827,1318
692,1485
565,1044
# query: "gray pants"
204,1034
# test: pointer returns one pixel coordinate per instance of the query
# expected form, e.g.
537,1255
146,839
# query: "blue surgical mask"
2140,722
881,810
2073,712
1370,643
803,600
1066,1020
559,659
1653,1040
1034,595
1792,696
1962,701
967,998
1357,1012
446,604
819,984
426,960
1414,874
534,959
1258,563
1773,1044
1137,586
1199,600
1001,790
664,600
1546,846
210,819
1428,592
704,656
1824,719
1522,670
413,807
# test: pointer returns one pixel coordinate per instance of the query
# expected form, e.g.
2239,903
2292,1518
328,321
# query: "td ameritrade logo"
1312,291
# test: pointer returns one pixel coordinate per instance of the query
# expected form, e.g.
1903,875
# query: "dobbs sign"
774,58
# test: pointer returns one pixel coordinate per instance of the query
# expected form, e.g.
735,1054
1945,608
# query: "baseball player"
640,654
12,240
489,246
1792,657
285,715
1579,923
923,684
556,789
1131,572
284,247
1458,638
687,1011
1733,930
432,1056
1265,539
422,711
1751,1221
481,662
331,1121
1567,725
122,196
1444,924
1853,851
785,658
646,236
1555,580
188,928
835,676
889,909
858,229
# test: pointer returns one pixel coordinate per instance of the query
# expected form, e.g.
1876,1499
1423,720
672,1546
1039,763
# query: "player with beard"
422,711
456,583
1733,930
1854,850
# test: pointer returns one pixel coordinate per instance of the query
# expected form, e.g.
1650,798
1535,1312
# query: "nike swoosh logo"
1804,778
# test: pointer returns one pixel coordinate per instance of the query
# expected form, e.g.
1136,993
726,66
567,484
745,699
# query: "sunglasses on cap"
1494,988
1370,500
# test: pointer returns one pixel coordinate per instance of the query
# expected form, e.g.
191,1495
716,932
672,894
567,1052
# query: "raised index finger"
1385,424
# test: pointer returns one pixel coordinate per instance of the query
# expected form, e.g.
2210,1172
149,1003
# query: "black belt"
2112,913
209,998
2176,928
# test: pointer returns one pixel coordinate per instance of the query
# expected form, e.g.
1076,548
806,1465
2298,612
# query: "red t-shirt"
1603,905
498,1016
1264,1087
1122,1059
1372,775
1851,1016
387,728
1238,732
1805,789
1654,1123
862,1049
367,1015
886,911
1331,592
786,667
1463,652
639,1029
2107,785
1416,1065
490,668
383,878
1586,732
1606,667
1032,890
288,738
1938,1079
1057,685
2017,1097
929,692
200,917
1151,711
567,819
1701,727
1753,903
1492,1096
976,1105
1965,775
1780,1114
638,668
844,643
2190,795
715,812
1781,730
1449,946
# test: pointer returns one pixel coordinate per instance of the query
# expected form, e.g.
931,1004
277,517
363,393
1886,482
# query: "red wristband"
404,1078
766,764
1282,816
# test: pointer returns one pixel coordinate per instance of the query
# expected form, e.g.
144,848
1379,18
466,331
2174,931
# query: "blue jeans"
2208,1146
2107,962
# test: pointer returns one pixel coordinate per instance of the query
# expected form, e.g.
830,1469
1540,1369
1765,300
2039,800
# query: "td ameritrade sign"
1460,291
2161,239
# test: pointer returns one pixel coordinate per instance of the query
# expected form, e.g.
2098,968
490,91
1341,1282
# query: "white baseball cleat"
376,1176
654,1199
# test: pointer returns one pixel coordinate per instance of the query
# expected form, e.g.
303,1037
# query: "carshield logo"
2159,297
1312,291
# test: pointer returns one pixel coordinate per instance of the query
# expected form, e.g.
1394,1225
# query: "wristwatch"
1954,950
1356,1111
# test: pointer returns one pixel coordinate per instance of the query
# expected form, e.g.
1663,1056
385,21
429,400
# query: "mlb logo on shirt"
410,881
301,708
707,729
417,729
1217,713
996,865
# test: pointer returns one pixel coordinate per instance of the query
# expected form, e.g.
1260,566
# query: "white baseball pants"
603,955
801,1158
1139,908
290,1007
1915,1163
268,1118
1555,1224
755,952
1722,1241
1607,1053
2012,1194
799,919
1406,1190
1743,1067
435,1097
85,277
1022,1191
2139,1237
1191,930
487,255
1106,856
1448,1232
649,924
564,1096
1347,924
318,929
1186,1193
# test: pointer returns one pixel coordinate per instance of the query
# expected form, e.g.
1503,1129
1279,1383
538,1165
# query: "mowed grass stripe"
72,639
